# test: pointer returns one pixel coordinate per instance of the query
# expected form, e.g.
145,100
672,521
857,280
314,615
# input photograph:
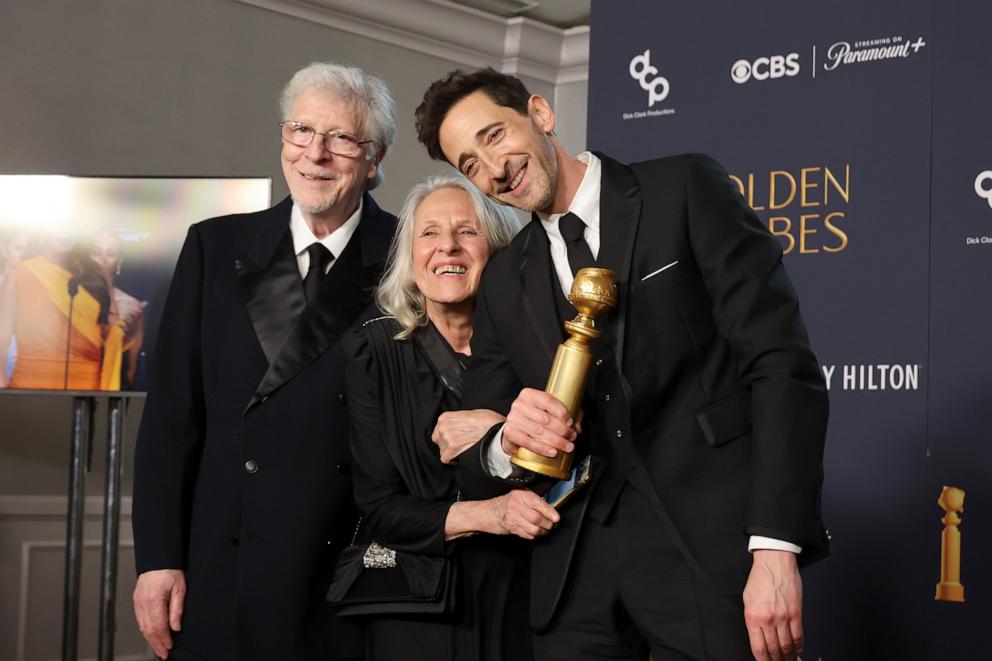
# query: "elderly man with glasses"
242,493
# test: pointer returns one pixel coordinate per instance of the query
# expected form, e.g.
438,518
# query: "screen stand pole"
82,430
116,407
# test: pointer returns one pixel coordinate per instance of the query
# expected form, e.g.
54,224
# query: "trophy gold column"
949,588
593,292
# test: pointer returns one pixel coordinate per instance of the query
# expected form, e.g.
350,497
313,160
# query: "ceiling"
560,13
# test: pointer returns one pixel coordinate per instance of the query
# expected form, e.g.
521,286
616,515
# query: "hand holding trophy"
593,292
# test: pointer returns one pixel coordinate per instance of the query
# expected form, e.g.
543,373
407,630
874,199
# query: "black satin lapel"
619,213
344,293
537,279
271,287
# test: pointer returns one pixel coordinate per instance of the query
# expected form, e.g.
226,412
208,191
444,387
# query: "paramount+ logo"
656,86
765,68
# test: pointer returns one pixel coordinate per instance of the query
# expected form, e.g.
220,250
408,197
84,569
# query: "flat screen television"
85,264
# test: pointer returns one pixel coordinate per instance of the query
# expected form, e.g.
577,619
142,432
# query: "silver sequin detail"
379,557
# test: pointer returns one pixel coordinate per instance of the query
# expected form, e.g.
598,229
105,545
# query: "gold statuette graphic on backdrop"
951,500
593,292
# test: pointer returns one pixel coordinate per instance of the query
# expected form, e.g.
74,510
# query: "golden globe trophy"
949,588
593,292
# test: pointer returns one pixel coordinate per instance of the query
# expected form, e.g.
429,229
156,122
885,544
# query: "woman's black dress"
395,395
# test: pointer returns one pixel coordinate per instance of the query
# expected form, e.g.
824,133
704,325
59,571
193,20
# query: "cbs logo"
764,68
983,186
640,68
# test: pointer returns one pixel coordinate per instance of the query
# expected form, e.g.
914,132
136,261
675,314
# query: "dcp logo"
764,68
657,87
983,186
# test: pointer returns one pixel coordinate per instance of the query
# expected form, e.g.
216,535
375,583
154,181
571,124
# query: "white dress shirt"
585,205
303,238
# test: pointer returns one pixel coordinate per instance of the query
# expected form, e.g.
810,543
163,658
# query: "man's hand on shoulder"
539,422
773,605
158,607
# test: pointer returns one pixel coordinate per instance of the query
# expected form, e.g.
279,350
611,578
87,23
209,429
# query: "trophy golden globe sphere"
593,291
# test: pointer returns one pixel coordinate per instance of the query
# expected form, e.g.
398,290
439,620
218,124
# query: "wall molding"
50,508
28,549
464,35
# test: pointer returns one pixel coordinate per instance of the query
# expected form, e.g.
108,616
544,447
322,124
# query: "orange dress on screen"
41,326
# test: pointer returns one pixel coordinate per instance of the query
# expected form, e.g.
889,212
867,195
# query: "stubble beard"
326,203
547,162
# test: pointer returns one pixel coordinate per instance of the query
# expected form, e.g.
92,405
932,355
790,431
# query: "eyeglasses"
336,142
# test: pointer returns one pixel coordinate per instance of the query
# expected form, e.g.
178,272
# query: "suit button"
599,362
251,466
344,469
341,397
619,434
235,540
608,397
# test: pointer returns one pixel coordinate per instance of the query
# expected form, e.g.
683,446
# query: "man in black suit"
242,494
705,409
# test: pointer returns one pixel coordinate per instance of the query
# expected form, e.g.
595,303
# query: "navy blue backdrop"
860,133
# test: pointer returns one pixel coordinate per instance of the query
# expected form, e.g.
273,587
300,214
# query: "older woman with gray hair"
404,371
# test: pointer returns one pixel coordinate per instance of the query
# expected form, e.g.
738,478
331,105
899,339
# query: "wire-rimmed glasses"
337,142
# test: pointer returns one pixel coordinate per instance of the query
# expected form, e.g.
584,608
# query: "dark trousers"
630,593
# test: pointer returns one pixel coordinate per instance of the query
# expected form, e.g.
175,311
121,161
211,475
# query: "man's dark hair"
504,90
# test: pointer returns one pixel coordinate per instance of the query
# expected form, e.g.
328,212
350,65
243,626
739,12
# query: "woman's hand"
457,431
523,513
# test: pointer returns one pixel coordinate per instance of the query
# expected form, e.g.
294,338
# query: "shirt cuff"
497,461
759,543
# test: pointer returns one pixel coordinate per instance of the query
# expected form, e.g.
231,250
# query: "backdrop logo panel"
765,68
871,50
879,377
652,82
805,208
983,189
825,130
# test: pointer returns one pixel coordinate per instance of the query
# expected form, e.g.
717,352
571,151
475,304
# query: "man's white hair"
368,95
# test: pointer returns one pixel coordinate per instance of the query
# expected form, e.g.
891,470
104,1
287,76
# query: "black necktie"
320,257
572,229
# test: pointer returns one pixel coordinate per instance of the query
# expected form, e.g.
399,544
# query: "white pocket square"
663,268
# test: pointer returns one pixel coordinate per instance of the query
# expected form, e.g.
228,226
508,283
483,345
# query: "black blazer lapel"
344,293
619,217
536,281
270,281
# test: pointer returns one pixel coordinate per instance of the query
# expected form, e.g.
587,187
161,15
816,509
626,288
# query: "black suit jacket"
704,394
242,462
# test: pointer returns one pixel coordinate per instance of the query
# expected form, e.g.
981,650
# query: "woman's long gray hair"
397,293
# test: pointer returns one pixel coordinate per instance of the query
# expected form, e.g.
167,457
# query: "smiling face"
106,251
449,250
325,185
508,156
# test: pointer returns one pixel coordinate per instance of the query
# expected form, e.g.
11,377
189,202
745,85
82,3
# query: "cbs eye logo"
640,68
764,68
983,186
